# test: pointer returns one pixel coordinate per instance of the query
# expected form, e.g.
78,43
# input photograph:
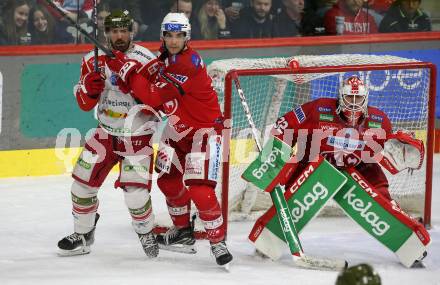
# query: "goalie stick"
97,44
285,218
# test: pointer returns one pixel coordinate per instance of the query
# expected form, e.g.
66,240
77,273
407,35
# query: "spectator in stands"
405,16
347,17
14,28
322,6
212,21
43,28
295,21
233,7
152,10
103,11
180,6
255,21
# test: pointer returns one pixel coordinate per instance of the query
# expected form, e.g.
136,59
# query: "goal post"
403,88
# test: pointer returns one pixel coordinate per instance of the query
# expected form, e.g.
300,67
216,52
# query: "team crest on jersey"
179,78
345,143
170,107
299,113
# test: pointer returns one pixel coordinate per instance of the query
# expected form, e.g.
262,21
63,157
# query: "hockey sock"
207,204
84,207
178,200
138,202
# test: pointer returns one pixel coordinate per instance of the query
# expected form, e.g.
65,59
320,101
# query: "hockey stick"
95,33
97,44
284,214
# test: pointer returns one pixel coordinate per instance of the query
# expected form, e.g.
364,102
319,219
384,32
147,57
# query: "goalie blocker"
315,185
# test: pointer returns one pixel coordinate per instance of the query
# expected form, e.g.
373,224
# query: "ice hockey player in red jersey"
349,133
123,136
189,155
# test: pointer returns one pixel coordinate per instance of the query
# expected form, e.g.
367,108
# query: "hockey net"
402,88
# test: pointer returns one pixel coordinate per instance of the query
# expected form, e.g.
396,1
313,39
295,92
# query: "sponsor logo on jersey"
326,117
376,117
84,164
328,126
379,227
299,113
136,168
324,109
374,124
179,78
140,53
345,143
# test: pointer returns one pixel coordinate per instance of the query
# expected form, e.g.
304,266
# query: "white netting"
402,94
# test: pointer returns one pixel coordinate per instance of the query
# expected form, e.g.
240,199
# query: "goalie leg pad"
84,206
306,196
138,202
382,219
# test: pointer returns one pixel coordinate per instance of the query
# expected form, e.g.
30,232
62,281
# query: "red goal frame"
236,73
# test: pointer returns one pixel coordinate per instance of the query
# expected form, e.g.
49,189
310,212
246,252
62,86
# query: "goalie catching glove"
402,151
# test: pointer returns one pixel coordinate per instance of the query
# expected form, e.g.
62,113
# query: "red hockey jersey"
195,102
315,127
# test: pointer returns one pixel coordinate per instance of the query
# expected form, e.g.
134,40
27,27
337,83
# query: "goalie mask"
353,100
118,19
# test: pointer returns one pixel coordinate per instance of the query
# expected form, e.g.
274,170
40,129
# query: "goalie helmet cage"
403,88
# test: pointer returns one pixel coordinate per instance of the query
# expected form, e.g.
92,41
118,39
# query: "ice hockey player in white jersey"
123,137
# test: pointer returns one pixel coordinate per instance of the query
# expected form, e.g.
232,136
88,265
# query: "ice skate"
221,253
77,244
178,240
149,244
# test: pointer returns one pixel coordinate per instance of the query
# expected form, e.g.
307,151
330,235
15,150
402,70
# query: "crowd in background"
33,22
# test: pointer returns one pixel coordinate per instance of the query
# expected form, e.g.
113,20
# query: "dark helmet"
361,274
118,19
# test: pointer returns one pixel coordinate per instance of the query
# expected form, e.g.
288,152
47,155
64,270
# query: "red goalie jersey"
315,127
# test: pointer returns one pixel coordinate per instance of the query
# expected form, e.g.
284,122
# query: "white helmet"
176,22
353,108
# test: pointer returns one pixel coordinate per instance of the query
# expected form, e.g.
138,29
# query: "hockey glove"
93,84
122,65
402,151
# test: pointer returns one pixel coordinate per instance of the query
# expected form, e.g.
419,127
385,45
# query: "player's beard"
121,45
